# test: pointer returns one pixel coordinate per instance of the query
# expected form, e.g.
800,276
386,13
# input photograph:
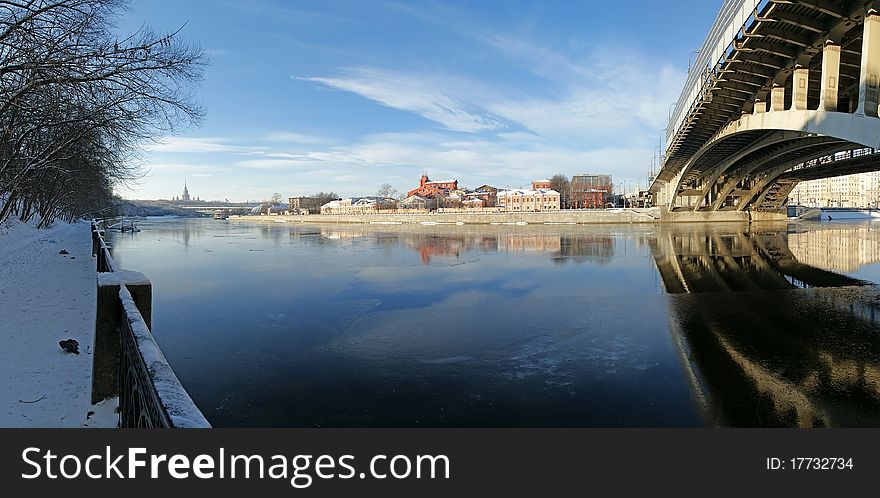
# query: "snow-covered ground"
46,297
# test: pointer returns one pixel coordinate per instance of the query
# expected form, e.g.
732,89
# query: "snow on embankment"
47,296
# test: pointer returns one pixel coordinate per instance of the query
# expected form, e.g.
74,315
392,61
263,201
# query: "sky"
344,96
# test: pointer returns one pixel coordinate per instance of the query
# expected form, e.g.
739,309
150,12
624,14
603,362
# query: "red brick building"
487,193
591,191
431,189
542,185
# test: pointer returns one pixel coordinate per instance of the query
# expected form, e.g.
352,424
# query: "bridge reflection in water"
765,339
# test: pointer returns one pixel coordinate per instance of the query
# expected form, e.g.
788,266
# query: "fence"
127,362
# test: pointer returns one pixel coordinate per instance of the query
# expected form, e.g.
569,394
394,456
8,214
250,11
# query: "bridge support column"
869,83
760,107
800,85
830,76
777,98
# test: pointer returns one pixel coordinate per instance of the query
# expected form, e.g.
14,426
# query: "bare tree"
386,190
276,199
325,197
561,184
77,103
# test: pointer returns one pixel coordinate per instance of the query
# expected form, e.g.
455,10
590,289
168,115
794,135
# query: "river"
325,325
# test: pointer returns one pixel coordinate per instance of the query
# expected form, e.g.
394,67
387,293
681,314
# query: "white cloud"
276,164
296,138
570,113
196,145
421,94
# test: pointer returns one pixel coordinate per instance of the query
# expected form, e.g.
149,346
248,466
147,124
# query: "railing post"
96,246
107,349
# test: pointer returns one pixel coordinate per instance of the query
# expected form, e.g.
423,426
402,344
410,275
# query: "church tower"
185,193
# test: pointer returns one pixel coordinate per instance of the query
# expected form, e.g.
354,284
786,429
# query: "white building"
861,190
359,205
528,200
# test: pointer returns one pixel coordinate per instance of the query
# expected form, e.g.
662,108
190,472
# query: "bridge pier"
869,83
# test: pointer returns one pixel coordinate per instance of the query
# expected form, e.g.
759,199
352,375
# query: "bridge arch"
751,152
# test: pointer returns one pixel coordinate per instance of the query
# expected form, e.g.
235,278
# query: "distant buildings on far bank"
528,200
304,205
860,190
591,191
185,197
430,189
587,191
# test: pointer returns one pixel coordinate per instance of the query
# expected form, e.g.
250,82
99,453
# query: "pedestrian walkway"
47,295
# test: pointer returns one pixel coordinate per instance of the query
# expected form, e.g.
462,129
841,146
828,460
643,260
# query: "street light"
669,112
689,58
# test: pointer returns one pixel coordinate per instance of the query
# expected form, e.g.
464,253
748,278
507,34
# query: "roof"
521,191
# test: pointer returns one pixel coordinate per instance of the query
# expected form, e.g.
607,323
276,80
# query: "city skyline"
304,98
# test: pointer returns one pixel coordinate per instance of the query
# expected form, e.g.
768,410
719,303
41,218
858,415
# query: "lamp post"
669,112
689,58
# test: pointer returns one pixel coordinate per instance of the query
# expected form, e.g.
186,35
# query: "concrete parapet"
107,349
690,216
769,216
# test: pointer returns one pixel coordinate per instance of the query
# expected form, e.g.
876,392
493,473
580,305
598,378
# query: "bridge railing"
734,17
126,360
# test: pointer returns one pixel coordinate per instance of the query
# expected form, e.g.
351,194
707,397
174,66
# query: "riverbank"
48,295
566,217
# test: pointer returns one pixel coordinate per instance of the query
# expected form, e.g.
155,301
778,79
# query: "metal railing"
127,361
732,20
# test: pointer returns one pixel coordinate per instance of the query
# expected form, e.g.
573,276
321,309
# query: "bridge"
782,91
209,208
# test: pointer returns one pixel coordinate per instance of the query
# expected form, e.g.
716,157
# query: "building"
417,203
487,193
528,200
590,191
304,205
185,197
473,203
359,205
430,189
544,184
277,209
860,190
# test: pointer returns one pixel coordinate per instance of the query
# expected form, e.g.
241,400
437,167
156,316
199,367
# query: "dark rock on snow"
69,345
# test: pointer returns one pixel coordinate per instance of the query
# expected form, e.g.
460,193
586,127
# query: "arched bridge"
782,91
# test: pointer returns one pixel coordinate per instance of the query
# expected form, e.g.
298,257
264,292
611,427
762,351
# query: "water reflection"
845,248
456,242
759,349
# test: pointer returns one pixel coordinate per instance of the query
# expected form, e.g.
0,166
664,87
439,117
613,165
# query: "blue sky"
346,95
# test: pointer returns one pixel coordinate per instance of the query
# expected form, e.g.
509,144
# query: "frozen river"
293,325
